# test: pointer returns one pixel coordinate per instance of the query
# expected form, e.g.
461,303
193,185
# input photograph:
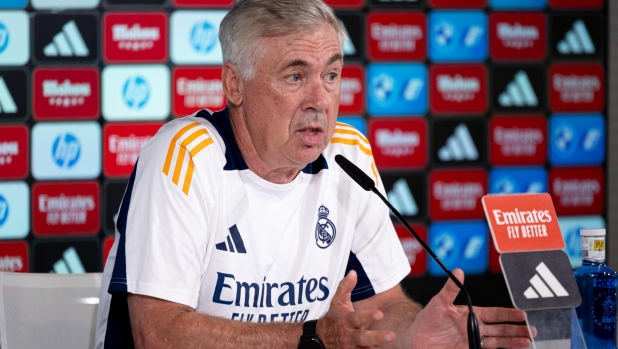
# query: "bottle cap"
592,232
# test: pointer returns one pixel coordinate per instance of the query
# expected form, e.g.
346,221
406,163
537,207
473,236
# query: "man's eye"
332,76
294,77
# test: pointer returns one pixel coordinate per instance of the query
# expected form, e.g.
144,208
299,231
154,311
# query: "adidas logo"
233,244
459,146
401,198
7,104
348,46
577,40
519,92
69,263
198,140
68,42
540,284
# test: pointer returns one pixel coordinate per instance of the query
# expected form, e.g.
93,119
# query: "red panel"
518,140
576,87
458,3
196,88
414,251
13,151
460,89
66,93
135,37
517,36
122,144
345,4
352,96
576,4
108,242
396,36
456,194
577,191
202,3
14,256
65,208
399,143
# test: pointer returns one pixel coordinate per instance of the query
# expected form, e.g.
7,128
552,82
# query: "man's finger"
505,331
344,290
496,314
361,318
449,292
362,338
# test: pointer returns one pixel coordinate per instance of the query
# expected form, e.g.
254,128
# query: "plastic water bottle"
597,285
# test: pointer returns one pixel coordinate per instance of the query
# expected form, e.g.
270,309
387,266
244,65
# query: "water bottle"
597,285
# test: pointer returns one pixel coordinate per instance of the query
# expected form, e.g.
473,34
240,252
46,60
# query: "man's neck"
255,162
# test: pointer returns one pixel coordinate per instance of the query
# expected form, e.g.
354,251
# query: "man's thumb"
346,285
450,290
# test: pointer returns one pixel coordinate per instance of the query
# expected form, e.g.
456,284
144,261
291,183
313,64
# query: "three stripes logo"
542,282
576,40
68,42
7,104
69,263
519,92
402,199
459,146
190,140
233,242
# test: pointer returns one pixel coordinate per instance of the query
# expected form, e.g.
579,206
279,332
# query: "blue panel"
518,4
363,288
576,139
457,36
397,89
13,3
356,121
518,180
459,245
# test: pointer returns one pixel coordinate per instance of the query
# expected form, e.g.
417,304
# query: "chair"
48,310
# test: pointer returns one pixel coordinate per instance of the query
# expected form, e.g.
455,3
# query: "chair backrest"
48,310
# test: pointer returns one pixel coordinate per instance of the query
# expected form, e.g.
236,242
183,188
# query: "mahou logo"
516,36
417,257
135,37
66,93
457,194
14,257
399,143
458,88
577,191
577,87
518,140
197,88
13,152
65,208
122,144
351,97
397,36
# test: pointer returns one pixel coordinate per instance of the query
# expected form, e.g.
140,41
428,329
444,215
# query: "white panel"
194,37
14,210
15,28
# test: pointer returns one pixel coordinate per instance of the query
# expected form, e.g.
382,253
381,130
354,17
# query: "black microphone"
360,177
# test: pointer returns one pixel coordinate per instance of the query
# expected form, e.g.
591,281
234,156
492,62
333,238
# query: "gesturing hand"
443,325
342,327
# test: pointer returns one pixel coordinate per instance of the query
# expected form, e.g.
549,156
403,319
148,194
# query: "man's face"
291,103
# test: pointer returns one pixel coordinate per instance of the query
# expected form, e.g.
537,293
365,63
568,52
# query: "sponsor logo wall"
459,98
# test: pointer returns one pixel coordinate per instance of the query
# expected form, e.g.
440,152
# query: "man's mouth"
312,136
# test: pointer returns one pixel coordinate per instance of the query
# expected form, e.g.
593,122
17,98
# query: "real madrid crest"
325,230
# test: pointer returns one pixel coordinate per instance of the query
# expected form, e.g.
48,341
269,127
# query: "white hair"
250,20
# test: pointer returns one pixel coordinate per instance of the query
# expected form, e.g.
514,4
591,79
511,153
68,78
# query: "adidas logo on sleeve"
66,38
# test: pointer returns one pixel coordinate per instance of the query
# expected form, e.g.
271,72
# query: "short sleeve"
164,216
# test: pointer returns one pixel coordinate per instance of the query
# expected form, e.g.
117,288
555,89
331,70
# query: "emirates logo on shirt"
135,37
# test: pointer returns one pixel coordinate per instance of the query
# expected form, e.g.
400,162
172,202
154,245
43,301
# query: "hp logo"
4,210
66,150
4,37
136,92
203,37
383,87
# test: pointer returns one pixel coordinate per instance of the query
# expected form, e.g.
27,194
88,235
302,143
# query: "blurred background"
459,98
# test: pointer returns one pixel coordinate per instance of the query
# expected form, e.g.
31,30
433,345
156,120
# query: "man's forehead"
302,49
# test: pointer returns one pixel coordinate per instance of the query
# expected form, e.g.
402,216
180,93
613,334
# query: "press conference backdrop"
459,98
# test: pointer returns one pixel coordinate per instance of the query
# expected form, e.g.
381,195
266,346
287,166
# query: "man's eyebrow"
336,57
300,63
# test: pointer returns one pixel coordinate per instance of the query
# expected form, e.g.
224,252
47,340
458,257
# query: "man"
237,227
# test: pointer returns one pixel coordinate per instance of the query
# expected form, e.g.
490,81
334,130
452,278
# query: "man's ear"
232,84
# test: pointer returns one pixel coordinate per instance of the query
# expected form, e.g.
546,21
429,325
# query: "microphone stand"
360,177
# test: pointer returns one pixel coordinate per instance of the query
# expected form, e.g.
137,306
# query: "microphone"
360,177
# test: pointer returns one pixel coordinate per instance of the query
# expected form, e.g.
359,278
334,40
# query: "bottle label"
593,248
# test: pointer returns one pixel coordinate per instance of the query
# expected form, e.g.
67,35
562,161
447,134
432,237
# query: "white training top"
197,227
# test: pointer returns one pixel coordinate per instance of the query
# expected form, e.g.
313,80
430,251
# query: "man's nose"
316,96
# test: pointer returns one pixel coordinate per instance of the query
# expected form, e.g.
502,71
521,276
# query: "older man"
237,228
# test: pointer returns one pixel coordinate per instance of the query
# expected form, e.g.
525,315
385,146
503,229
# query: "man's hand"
443,325
344,328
